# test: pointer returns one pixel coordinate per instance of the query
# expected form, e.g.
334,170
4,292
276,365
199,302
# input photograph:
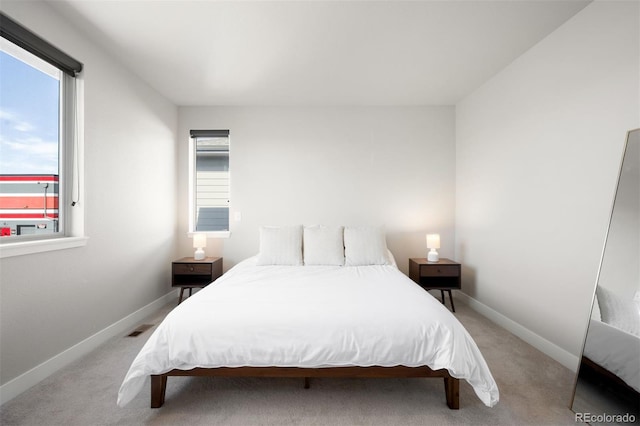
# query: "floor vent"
139,330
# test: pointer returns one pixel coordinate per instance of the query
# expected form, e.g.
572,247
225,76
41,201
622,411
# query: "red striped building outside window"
28,204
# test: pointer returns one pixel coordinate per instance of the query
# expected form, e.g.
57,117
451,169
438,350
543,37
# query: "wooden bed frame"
590,370
451,384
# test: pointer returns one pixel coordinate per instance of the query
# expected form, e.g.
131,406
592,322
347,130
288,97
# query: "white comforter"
614,350
311,316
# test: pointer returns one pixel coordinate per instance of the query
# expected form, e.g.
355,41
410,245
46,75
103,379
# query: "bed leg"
158,389
452,392
306,383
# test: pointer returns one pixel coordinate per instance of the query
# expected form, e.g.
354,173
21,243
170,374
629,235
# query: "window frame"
70,167
193,135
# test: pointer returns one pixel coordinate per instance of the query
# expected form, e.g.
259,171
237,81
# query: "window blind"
209,133
20,36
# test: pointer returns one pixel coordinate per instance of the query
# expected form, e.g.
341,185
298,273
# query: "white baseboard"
15,387
551,349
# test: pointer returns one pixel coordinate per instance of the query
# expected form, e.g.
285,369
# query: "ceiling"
210,52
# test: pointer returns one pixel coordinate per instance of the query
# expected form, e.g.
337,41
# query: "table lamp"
433,243
199,243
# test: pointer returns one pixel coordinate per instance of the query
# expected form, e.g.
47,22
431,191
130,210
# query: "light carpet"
534,389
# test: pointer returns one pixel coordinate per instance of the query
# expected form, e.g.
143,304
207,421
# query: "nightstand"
443,275
188,273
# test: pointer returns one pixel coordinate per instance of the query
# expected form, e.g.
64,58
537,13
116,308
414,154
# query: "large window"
209,181
37,117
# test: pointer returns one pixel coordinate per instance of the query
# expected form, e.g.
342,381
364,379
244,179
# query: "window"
209,184
37,123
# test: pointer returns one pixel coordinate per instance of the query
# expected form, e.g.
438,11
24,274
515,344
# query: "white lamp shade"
433,241
199,241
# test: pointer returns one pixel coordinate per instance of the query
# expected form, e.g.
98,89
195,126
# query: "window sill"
211,234
30,247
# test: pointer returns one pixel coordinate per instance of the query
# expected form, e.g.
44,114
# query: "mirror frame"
604,248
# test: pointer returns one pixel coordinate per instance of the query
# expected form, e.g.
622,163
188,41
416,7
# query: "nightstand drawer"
188,273
192,269
443,275
440,271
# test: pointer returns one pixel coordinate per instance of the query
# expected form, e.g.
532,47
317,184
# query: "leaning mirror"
608,381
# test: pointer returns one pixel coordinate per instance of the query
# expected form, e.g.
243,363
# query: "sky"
29,106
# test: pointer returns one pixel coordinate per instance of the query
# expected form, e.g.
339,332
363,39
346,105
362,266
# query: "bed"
611,355
311,320
612,346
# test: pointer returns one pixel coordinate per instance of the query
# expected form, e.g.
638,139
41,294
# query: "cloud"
15,122
22,149
31,146
29,155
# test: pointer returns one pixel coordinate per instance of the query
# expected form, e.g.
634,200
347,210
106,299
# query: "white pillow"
365,246
618,312
280,245
323,245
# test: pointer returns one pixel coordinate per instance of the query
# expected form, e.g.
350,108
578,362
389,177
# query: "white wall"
52,301
331,165
537,154
533,153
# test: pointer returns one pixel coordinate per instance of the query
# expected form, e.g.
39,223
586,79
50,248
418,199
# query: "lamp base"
433,256
199,254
